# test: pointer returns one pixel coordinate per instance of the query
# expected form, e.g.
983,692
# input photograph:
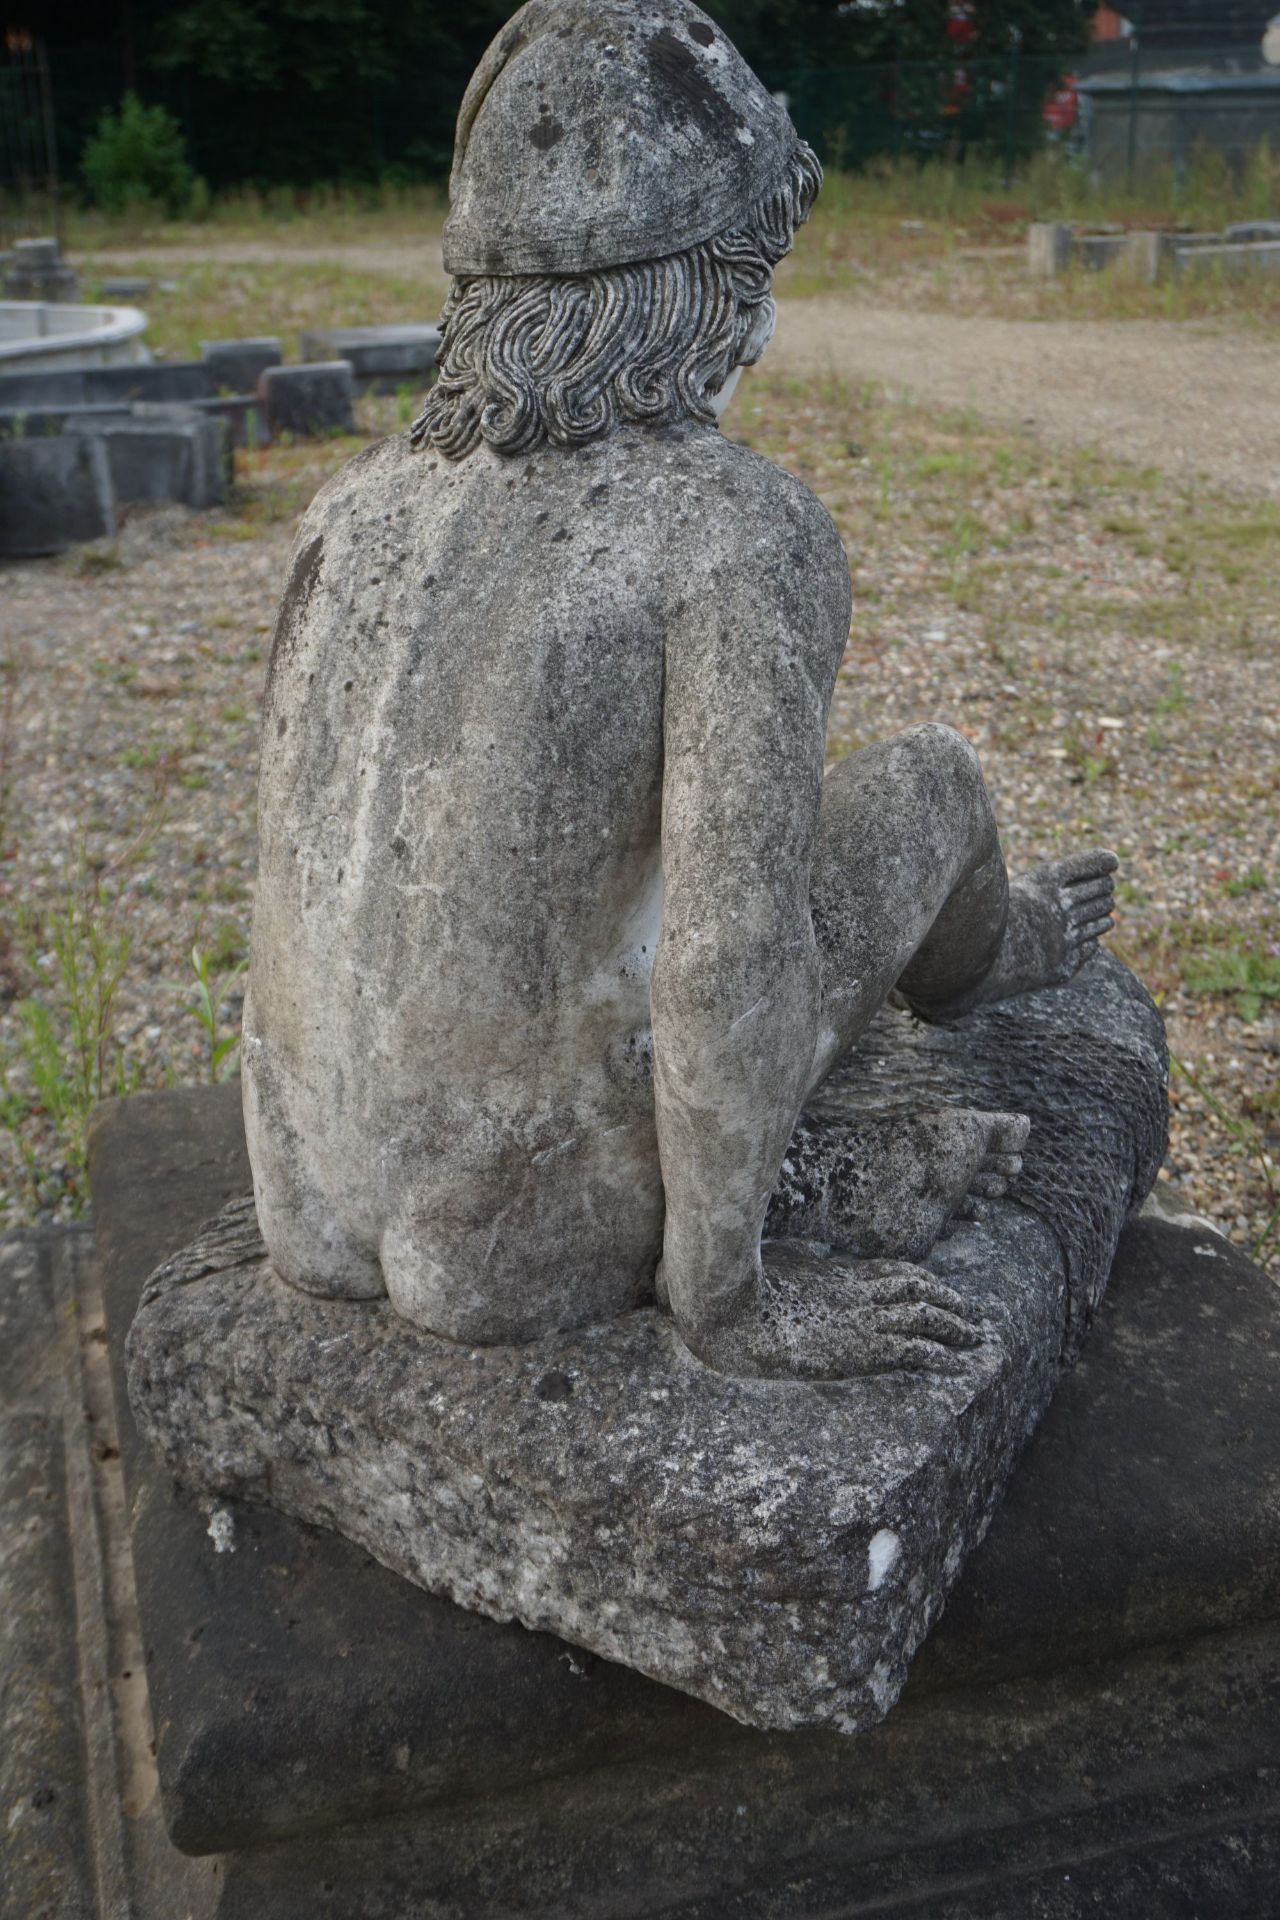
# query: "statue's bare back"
461,873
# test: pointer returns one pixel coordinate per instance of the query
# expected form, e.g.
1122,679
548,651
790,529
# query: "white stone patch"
222,1530
746,136
882,1556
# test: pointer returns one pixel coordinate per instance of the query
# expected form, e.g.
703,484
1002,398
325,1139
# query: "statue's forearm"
729,1078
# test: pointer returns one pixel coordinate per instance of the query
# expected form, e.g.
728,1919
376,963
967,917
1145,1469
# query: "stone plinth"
54,491
777,1548
1090,1728
309,399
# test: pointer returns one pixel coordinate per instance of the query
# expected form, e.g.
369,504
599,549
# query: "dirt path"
1183,397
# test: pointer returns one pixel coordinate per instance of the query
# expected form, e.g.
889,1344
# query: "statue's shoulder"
374,482
766,511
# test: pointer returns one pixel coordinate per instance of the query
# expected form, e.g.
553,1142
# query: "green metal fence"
943,110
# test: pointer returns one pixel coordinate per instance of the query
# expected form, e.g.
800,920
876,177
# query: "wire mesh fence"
1122,114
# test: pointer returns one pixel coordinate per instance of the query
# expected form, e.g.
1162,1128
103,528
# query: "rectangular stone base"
778,1547
1091,1727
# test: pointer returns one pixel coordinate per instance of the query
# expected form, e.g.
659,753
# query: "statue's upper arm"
750,668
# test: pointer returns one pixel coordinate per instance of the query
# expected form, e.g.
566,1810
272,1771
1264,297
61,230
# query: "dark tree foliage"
298,91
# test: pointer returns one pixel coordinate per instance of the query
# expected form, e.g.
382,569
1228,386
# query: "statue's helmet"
596,133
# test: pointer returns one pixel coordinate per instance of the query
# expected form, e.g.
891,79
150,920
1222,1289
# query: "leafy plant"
1249,976
213,986
138,158
68,1057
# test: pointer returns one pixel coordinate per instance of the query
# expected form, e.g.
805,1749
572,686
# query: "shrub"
138,157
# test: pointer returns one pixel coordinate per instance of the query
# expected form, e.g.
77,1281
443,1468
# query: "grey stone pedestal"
1094,1727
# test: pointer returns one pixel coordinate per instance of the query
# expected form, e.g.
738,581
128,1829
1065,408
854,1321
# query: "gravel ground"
1035,602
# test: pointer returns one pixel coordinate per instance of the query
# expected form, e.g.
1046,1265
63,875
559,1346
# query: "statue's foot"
816,1317
889,1186
1057,915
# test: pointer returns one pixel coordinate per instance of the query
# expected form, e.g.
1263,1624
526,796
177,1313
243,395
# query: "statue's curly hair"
568,357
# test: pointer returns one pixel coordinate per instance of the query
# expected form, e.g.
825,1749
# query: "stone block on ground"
60,390
1049,245
1247,231
1146,256
382,359
53,492
44,1864
310,399
35,270
1097,251
1257,256
165,453
777,1548
236,366
126,286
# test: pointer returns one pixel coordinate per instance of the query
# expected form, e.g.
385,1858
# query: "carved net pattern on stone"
1086,1062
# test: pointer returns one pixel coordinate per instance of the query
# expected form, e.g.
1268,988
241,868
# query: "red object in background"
960,24
1108,24
1062,109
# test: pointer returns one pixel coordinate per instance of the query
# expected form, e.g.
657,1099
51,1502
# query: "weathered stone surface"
35,270
45,1873
309,399
1049,247
776,1548
62,389
598,133
236,366
159,453
382,359
982,1794
53,492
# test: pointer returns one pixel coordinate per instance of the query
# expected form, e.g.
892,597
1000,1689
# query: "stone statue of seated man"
559,923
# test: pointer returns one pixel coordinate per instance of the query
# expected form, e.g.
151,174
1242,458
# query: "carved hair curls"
569,357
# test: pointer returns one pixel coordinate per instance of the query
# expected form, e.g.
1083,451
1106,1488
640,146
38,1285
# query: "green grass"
926,235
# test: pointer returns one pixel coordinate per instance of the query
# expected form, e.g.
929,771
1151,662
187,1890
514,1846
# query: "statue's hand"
819,1316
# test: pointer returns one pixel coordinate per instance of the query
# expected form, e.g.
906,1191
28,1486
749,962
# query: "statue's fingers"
908,1290
920,1321
1087,866
903,1354
1075,897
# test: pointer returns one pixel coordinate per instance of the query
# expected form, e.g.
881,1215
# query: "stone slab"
1145,1788
1017,1775
1257,256
53,492
236,366
382,359
309,399
30,1356
244,414
159,380
169,455
45,1870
